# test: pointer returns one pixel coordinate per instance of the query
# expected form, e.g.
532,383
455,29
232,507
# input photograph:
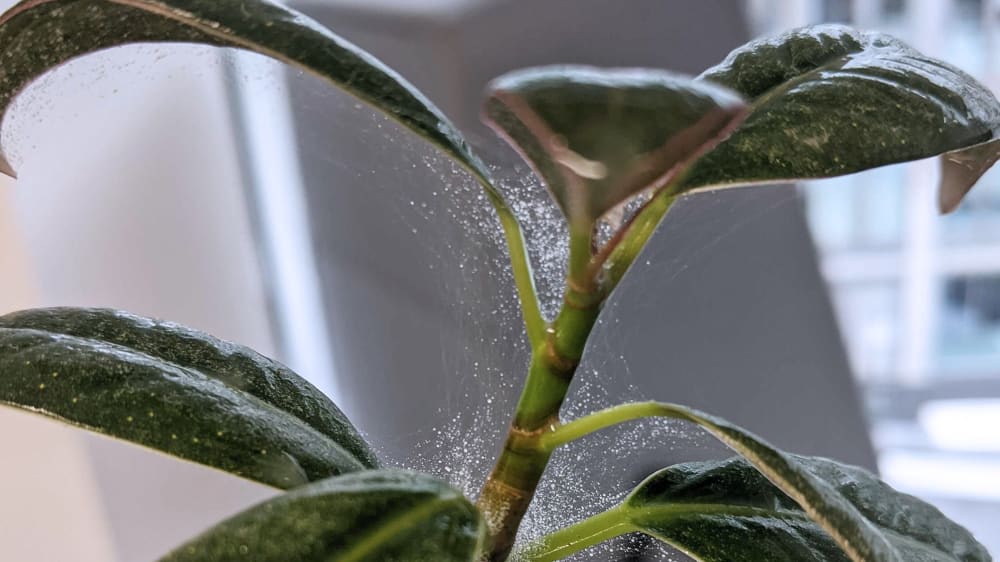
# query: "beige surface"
51,509
16,285
129,196
51,505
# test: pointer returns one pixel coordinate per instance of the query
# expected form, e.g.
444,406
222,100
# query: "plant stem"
554,363
589,532
524,280
571,431
511,486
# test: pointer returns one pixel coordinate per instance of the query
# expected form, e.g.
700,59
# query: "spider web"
442,222
471,275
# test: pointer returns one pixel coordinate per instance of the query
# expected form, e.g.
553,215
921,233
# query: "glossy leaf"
729,512
828,100
176,390
38,35
367,516
868,520
859,514
597,136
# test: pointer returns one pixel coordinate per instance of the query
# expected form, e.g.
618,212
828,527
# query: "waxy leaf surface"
374,516
177,390
866,519
828,100
861,514
598,136
727,511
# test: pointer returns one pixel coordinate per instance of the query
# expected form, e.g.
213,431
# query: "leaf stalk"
508,491
619,254
587,533
524,279
615,415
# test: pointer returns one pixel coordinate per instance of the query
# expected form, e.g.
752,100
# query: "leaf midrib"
411,517
682,509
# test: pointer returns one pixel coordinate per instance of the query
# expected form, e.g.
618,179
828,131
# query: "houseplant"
814,102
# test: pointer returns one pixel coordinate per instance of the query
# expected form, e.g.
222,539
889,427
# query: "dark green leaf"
598,136
862,525
729,512
375,516
38,35
865,518
180,391
828,100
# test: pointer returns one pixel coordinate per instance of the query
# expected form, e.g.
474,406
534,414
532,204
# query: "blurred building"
918,295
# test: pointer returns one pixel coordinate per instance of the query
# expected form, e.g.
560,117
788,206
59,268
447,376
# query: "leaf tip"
6,168
961,169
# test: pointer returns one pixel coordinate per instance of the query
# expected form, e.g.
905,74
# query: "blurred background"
841,318
916,293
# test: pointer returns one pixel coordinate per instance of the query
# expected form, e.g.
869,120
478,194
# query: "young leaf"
374,515
178,391
828,100
868,520
38,35
597,136
729,512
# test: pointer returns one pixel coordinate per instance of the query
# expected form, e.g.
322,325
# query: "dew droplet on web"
43,114
581,480
545,232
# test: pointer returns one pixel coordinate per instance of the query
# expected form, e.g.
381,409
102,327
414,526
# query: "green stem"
524,280
520,264
731,435
511,486
554,362
589,532
633,239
